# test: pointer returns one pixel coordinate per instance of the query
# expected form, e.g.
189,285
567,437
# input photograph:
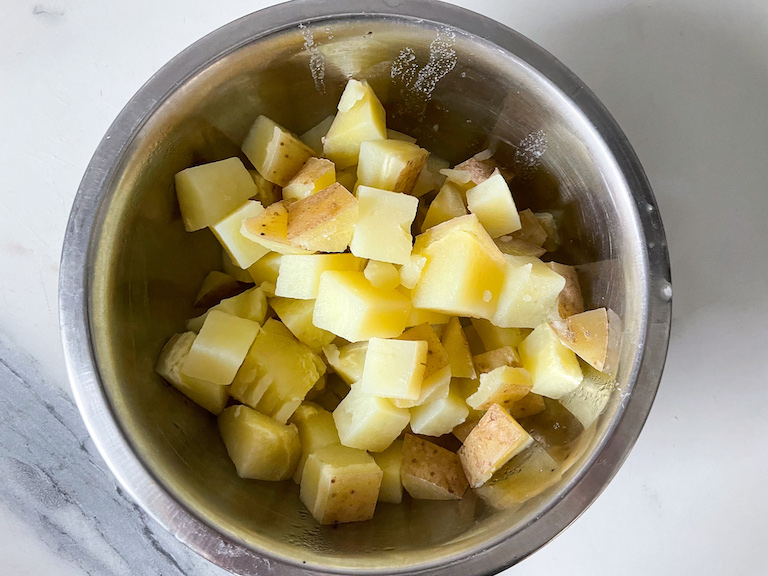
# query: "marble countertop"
688,82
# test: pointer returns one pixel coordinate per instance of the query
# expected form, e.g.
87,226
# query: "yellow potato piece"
251,305
504,386
266,268
243,251
489,361
392,165
316,174
440,416
492,202
529,294
391,461
270,229
382,275
394,368
430,472
300,275
347,361
275,153
448,204
216,286
296,315
494,337
314,136
595,336
554,368
569,301
456,346
316,431
324,221
368,422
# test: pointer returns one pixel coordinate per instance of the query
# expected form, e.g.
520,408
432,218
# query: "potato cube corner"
368,422
430,472
554,368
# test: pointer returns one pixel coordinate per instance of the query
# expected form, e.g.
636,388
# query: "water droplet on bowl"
666,291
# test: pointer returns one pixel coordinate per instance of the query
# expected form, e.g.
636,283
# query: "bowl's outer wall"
126,238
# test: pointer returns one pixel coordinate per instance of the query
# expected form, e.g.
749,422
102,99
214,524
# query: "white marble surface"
688,82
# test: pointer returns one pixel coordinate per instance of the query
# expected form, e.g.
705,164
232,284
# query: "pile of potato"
356,342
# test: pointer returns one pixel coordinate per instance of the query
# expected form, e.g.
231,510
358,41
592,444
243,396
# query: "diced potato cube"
595,336
382,275
243,251
514,247
316,174
480,167
489,361
260,448
435,387
276,153
266,268
212,397
525,476
297,317
251,305
383,230
395,135
528,405
411,271
392,165
350,307
316,431
440,416
548,223
554,368
464,272
324,221
340,484
494,337
300,275
368,422
491,444
348,361
530,230
590,398
268,193
361,117
492,202
430,178
277,372
391,461
215,288
314,136
270,229
529,295
420,316
394,368
430,472
503,386
569,301
437,357
456,346
448,204
209,192
219,349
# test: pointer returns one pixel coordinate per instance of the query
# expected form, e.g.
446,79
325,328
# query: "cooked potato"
492,202
368,422
347,361
503,386
496,438
456,346
462,430
439,416
531,231
383,231
360,118
591,397
529,405
394,368
392,165
266,268
494,337
554,368
422,315
411,271
316,174
296,315
350,307
395,135
251,305
268,193
314,136
324,221
514,247
207,193
243,251
489,361
448,204
569,301
382,275
212,397
595,336
437,372
299,276
270,229
260,447
529,294
316,430
430,178
275,153
430,472
340,484
215,288
220,348
391,461
548,223
433,388
479,168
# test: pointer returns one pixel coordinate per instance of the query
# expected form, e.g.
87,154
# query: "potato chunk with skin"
439,416
243,251
554,369
437,358
430,472
491,444
529,294
270,229
489,361
383,231
207,193
215,288
530,230
324,221
368,422
394,368
494,337
448,204
212,397
503,386
392,165
260,448
595,336
268,193
220,348
347,361
275,153
316,174
529,405
360,118
296,315
340,484
350,307
492,202
316,430
390,461
314,136
549,225
251,305
569,301
456,346
382,275
299,276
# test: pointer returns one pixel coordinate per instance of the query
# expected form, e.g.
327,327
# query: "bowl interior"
458,95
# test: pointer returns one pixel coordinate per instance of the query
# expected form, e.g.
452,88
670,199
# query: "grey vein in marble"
53,479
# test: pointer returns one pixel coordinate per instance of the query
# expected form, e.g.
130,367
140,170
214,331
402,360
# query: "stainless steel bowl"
457,81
